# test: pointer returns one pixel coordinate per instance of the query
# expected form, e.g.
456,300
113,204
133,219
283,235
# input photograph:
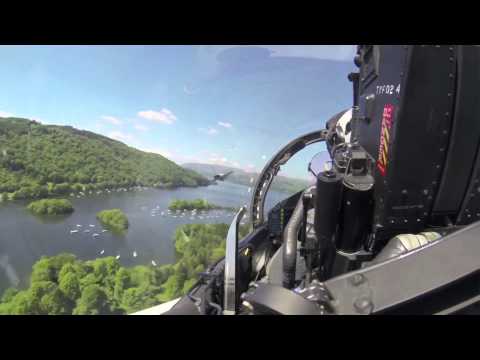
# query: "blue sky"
221,104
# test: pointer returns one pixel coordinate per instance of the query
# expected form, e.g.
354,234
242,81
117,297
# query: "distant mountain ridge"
41,160
242,177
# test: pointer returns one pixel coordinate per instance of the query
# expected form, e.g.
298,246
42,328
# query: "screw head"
357,279
363,305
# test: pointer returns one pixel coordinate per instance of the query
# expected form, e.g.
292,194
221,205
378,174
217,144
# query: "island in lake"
197,204
51,207
114,219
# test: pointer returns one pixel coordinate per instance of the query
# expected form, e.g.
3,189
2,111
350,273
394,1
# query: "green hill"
48,160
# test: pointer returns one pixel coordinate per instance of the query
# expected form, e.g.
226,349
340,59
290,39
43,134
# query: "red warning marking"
387,121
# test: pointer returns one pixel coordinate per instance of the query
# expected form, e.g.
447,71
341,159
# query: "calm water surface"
24,238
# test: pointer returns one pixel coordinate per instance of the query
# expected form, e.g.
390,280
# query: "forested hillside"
63,284
40,160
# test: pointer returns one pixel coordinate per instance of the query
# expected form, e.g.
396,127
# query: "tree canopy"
50,207
113,219
197,204
63,284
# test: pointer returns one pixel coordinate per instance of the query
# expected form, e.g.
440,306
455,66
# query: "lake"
24,238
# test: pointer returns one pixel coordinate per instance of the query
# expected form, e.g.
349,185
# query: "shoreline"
7,197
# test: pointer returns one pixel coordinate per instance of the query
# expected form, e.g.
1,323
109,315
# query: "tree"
92,302
69,284
122,282
9,294
55,302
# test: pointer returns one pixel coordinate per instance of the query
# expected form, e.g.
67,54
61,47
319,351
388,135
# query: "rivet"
357,279
363,305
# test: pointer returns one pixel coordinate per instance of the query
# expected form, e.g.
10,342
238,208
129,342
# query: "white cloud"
163,116
5,114
112,120
141,127
264,157
118,135
225,124
209,131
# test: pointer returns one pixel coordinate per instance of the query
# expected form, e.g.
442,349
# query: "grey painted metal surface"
230,299
157,310
401,279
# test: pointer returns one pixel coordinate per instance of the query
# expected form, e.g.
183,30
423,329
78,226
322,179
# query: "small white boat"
117,257
102,252
86,231
154,263
134,254
91,225
104,231
78,225
95,235
73,231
